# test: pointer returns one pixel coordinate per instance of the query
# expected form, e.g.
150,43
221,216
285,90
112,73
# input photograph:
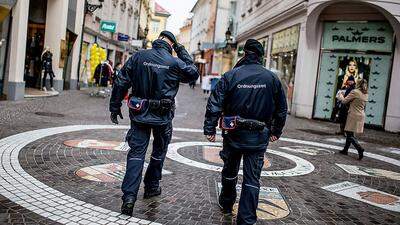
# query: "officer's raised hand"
114,116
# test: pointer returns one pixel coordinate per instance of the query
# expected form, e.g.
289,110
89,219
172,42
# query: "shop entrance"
283,59
361,50
35,43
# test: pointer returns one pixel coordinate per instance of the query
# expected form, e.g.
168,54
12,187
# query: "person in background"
117,70
103,73
47,66
343,108
357,100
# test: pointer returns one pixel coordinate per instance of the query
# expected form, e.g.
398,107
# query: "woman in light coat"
357,100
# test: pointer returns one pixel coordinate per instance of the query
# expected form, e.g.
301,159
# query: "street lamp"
93,7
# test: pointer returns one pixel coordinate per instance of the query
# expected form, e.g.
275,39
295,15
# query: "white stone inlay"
365,194
30,193
302,167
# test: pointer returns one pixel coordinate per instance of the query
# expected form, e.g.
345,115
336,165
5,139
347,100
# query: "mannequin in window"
47,66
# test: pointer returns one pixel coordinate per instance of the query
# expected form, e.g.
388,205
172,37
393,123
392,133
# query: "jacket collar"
249,58
157,44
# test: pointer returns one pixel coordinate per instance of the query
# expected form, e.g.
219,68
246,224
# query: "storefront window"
264,42
4,25
283,59
360,50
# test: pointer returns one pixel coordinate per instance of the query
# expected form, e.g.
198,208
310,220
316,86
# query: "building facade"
158,21
26,30
310,45
184,33
114,27
210,22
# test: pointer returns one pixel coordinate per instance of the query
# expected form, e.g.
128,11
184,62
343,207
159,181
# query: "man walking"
154,76
251,106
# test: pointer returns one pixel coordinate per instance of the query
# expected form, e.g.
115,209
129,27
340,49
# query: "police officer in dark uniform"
154,76
251,105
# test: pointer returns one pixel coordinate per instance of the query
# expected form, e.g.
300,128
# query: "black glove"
178,47
114,116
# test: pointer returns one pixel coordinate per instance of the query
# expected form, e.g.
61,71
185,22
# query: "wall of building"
203,24
184,34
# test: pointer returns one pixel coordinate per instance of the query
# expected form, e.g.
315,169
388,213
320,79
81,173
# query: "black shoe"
127,207
152,193
360,154
344,152
227,211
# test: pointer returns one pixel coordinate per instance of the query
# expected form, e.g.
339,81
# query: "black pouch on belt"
166,105
249,124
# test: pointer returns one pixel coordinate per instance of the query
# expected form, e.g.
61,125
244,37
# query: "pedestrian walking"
47,67
103,73
340,111
117,70
154,76
357,99
251,105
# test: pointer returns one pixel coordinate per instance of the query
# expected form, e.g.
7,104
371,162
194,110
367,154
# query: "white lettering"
158,66
251,86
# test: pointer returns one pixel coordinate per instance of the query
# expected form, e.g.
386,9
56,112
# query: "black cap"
168,35
254,46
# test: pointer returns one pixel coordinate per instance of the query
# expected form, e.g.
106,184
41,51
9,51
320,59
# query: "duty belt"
162,106
237,122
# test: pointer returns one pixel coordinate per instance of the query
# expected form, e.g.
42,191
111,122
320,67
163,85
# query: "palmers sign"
360,36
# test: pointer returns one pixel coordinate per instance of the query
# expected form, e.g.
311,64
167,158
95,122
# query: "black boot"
360,154
226,210
127,207
344,152
152,193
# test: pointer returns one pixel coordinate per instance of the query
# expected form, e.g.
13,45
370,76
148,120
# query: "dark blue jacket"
251,92
153,74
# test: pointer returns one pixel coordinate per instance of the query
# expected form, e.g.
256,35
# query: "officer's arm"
280,113
122,84
187,70
215,106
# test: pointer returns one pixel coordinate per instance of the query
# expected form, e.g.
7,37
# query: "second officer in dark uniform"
154,76
251,106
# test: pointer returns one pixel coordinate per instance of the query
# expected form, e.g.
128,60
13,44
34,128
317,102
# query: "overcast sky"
179,9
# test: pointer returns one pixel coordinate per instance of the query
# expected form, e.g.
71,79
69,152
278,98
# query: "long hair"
363,86
356,75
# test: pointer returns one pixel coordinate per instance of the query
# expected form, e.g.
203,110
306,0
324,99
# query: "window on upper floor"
155,26
130,10
115,3
249,6
123,5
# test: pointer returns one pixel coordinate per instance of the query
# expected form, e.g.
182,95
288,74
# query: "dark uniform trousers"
253,162
138,139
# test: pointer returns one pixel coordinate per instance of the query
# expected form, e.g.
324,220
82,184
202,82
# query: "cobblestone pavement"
52,175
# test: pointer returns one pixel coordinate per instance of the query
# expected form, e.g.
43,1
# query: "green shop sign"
361,36
108,26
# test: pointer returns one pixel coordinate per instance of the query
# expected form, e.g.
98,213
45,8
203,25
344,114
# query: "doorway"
35,43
